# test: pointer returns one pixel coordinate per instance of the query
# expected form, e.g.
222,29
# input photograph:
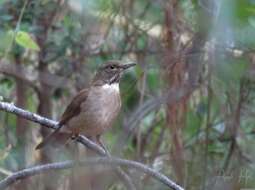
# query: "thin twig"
82,139
5,172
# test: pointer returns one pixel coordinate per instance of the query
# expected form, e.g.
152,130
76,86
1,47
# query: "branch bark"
10,107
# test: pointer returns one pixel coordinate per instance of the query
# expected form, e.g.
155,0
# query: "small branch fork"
106,160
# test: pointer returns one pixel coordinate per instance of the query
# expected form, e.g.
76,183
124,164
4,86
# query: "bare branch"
82,139
10,107
53,124
113,162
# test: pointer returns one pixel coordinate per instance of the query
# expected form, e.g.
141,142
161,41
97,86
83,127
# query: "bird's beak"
128,65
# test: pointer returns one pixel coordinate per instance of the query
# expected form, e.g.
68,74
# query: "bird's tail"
54,139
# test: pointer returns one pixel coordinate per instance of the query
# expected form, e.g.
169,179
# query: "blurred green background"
187,106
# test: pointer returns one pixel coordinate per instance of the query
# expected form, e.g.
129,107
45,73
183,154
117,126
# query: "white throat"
112,87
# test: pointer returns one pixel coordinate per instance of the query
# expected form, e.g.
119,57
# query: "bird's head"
110,72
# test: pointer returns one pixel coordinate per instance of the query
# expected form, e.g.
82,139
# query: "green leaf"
25,40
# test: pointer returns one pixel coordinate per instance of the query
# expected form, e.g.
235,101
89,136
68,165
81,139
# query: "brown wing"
74,108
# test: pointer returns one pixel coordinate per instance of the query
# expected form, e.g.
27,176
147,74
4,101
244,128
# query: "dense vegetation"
187,107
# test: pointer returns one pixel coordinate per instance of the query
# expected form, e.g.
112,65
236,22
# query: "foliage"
56,46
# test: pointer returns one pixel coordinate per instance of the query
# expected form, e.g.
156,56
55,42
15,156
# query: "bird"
94,109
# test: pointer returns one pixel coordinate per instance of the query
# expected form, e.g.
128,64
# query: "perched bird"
93,110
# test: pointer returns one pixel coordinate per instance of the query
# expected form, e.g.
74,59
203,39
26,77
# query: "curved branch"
113,162
10,107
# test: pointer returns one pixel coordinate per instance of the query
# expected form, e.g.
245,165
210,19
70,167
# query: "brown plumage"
93,110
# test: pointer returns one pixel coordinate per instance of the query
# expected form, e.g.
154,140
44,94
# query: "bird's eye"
112,67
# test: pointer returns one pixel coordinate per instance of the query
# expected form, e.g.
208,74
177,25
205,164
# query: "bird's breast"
99,110
108,102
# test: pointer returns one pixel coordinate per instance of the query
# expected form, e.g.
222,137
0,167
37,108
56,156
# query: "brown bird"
93,110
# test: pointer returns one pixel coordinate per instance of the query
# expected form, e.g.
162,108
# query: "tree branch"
10,107
113,162
53,124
